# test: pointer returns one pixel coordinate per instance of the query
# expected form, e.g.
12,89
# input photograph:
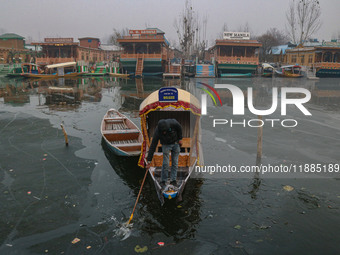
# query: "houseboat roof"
110,47
93,38
140,36
280,49
54,43
251,43
11,36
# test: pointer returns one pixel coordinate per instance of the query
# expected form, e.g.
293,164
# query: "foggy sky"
97,18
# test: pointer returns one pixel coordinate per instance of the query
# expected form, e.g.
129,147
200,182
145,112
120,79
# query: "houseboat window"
302,59
337,57
294,58
310,59
327,57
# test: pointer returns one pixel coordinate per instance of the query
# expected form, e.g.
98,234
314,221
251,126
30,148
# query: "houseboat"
323,59
145,52
236,55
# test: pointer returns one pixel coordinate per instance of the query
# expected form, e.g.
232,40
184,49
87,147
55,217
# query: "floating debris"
139,249
237,227
160,243
288,188
220,139
29,192
88,247
75,240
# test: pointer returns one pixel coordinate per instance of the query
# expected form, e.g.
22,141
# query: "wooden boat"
119,75
267,70
122,136
291,71
62,70
171,103
25,68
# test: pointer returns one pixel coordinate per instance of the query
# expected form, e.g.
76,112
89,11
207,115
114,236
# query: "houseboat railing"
128,55
328,65
53,60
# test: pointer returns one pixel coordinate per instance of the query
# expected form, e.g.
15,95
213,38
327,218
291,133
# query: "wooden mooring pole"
259,142
65,134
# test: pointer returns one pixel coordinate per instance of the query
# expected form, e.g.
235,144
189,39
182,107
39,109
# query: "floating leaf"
138,249
237,227
88,247
288,188
179,206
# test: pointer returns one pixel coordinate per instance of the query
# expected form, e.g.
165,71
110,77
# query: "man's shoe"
162,185
173,183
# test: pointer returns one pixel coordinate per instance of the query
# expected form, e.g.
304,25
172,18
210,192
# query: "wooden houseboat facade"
324,59
145,52
236,55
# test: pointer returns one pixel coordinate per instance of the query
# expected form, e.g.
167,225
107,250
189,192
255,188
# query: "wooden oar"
140,191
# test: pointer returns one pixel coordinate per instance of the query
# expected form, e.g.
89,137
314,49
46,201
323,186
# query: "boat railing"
328,65
237,60
152,55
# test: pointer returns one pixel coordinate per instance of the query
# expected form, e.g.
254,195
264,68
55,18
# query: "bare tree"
224,29
272,37
191,32
118,34
303,19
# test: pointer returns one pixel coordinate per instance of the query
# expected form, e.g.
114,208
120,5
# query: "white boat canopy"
66,64
265,65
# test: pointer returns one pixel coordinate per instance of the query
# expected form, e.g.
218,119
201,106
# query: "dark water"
51,194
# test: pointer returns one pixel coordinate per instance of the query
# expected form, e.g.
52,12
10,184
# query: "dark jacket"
173,133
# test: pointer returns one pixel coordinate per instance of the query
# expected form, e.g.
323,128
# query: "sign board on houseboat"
168,95
143,32
59,40
331,44
236,35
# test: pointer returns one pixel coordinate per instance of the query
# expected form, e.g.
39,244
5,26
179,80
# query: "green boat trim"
235,75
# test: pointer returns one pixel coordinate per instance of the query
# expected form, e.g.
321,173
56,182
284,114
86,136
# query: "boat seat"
128,144
125,131
116,119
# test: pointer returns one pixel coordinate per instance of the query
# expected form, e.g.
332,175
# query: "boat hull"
223,68
30,75
235,75
151,67
328,73
119,75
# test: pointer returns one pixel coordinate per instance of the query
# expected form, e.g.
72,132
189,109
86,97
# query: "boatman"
169,132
